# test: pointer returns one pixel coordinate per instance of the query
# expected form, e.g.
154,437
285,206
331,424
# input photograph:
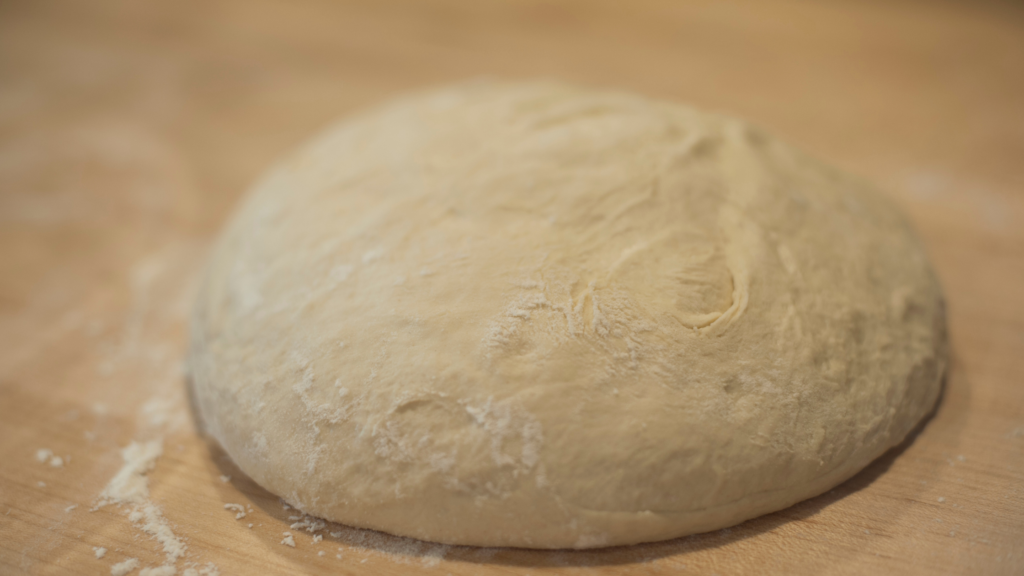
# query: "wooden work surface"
128,130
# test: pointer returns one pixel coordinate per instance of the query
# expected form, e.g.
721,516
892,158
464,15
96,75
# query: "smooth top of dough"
531,314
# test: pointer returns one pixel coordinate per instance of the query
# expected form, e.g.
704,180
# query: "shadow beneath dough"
364,542
648,552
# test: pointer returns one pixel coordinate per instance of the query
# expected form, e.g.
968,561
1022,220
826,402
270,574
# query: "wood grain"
129,129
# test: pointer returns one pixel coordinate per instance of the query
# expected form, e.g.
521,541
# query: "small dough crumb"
308,523
237,508
122,568
99,551
43,454
57,462
288,540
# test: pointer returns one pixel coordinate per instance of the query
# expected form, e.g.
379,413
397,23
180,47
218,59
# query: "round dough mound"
535,315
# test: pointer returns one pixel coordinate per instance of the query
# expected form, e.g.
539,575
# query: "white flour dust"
130,489
395,549
164,277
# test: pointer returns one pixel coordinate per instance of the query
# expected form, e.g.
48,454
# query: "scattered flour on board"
166,276
130,488
44,455
393,548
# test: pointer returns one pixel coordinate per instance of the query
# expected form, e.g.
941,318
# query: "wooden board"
129,129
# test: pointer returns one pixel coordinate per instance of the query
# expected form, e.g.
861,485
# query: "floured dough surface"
530,314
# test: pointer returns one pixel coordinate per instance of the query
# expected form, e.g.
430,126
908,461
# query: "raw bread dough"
535,315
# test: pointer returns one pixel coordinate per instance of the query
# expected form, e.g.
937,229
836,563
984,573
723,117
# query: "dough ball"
536,315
